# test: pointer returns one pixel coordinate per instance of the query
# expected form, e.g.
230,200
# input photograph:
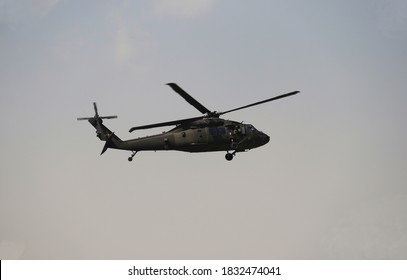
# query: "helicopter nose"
263,138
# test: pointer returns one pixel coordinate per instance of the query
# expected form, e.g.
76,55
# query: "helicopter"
206,133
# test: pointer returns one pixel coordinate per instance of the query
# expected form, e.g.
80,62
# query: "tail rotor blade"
96,109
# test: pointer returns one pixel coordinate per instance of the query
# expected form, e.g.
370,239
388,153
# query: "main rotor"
201,108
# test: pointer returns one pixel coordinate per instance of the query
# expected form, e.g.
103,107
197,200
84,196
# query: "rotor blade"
189,98
165,123
96,108
260,102
89,118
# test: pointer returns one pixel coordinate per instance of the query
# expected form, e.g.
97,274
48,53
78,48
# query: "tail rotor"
96,117
102,132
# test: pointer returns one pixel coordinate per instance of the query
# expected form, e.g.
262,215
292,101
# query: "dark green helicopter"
205,133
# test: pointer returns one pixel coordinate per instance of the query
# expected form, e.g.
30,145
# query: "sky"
331,183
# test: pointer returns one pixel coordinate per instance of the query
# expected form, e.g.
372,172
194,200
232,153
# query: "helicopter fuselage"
201,136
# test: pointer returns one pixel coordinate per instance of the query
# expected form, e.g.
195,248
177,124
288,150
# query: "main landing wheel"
229,157
132,155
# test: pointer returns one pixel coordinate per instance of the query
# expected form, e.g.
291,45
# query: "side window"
213,131
221,130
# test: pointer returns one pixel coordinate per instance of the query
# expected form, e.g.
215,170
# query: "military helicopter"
204,133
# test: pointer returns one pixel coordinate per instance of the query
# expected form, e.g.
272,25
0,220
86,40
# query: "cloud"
182,8
23,11
11,250
123,45
130,40
392,18
40,8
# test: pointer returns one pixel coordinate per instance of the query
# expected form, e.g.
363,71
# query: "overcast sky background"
331,184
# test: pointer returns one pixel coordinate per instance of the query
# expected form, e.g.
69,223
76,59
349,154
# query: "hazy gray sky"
331,184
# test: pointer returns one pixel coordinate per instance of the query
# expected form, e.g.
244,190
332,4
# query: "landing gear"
132,155
234,145
229,156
